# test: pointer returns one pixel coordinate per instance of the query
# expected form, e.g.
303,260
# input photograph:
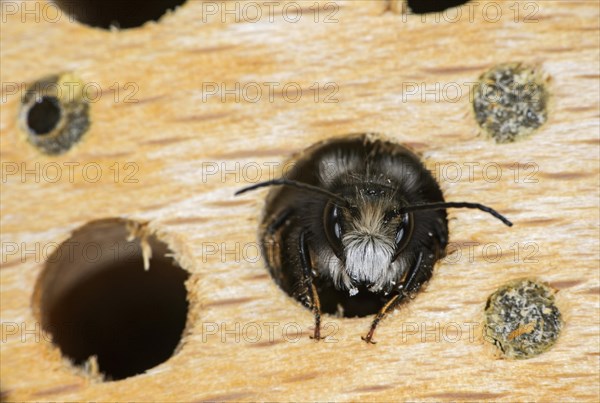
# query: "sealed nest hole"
522,319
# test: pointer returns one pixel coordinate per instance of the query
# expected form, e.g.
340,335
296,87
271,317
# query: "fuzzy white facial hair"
369,248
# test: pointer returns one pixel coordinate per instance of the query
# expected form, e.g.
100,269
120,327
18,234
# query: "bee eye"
404,232
400,234
332,221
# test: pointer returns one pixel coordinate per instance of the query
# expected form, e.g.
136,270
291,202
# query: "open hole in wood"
102,306
117,13
432,6
44,115
54,113
333,233
336,302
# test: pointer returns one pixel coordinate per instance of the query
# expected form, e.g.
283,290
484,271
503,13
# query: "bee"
355,226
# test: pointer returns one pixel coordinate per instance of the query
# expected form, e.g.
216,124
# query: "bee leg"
416,277
388,307
308,282
279,221
270,241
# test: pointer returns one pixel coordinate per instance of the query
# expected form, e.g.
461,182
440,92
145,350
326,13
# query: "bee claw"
317,334
368,340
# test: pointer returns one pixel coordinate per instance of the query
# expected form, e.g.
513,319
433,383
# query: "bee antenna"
296,184
444,205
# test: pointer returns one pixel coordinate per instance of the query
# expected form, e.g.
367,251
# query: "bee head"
367,233
368,227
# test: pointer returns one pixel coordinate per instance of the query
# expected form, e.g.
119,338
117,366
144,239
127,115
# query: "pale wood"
369,53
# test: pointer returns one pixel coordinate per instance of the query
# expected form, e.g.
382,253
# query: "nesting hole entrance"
99,303
54,113
117,13
433,6
339,303
44,115
291,211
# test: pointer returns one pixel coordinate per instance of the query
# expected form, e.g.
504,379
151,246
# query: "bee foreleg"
309,284
416,277
279,221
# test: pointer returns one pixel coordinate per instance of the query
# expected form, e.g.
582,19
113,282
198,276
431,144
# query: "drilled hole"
336,302
433,6
55,113
117,13
44,115
342,234
100,305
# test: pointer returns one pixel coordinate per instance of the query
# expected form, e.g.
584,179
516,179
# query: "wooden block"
183,146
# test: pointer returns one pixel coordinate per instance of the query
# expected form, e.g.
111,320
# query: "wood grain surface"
193,150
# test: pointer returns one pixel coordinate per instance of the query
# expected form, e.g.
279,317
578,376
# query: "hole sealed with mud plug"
522,319
113,299
117,13
55,113
510,101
